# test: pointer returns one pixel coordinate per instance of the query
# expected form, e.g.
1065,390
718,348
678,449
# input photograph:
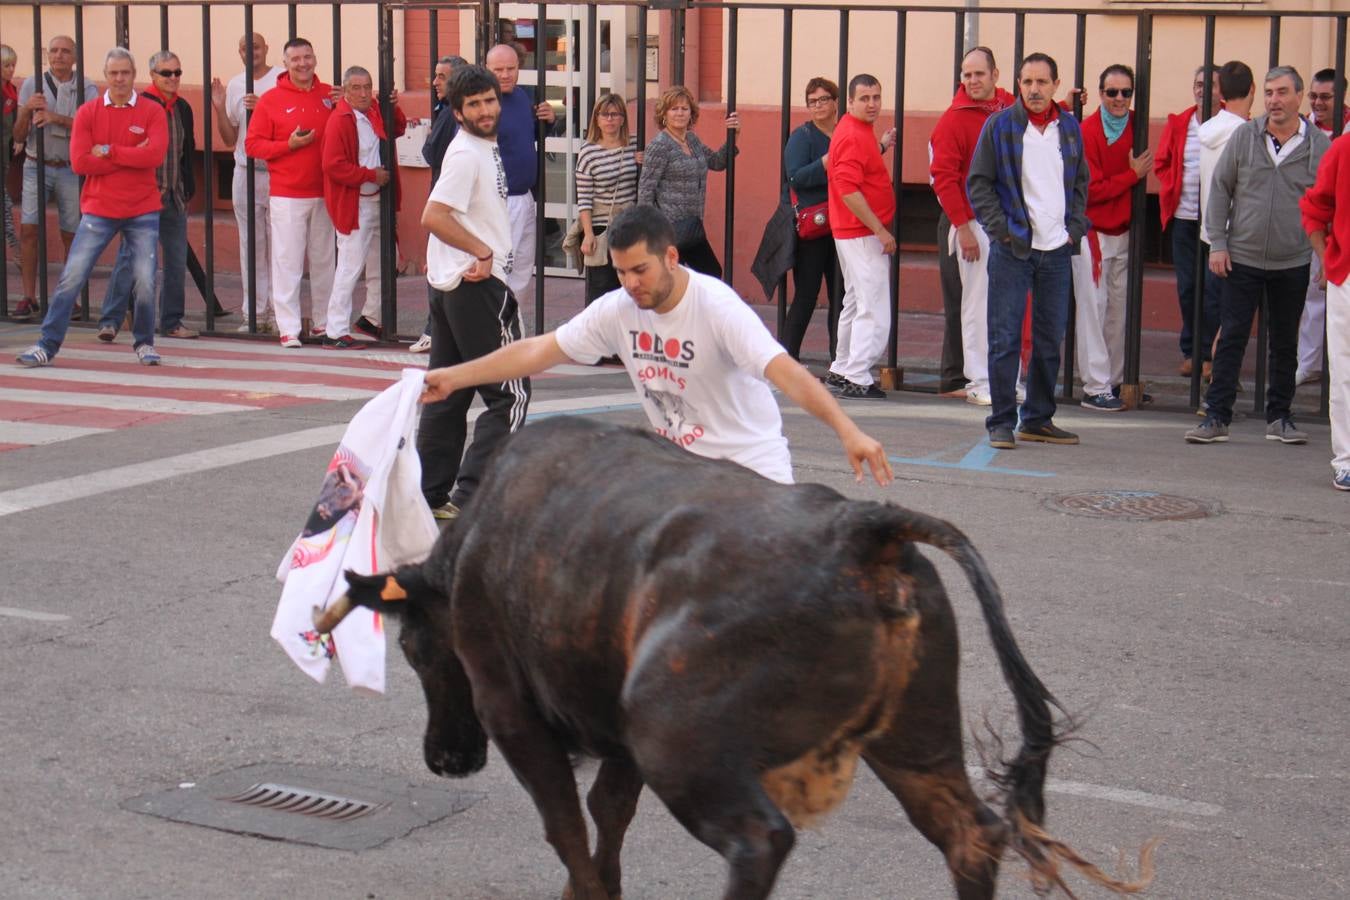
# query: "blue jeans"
1046,274
1186,244
92,237
170,285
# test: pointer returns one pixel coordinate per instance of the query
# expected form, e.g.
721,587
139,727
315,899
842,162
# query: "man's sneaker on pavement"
421,345
289,341
851,391
1049,433
1283,430
1001,438
34,357
446,512
107,334
147,354
1303,376
1210,431
1341,480
368,328
346,342
24,310
318,333
182,332
1102,403
977,397
833,380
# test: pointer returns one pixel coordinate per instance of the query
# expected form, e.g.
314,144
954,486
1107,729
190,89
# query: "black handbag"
689,232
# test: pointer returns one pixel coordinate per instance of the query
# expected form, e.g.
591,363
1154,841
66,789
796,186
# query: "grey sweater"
675,182
1252,211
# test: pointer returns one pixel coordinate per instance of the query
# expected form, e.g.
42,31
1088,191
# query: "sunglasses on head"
1113,93
169,73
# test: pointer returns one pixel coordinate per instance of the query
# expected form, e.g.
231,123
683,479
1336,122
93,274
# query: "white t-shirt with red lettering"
699,370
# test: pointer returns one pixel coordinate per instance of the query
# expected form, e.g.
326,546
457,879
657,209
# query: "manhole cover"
342,809
1139,506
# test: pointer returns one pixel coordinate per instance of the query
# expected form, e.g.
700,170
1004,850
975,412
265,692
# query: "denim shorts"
63,184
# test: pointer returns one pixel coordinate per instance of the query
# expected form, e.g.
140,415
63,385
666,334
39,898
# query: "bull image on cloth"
741,646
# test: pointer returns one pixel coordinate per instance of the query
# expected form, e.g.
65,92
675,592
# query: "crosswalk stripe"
197,361
139,379
32,433
117,401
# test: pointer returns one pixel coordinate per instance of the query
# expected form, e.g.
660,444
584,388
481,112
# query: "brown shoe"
182,331
107,334
1186,368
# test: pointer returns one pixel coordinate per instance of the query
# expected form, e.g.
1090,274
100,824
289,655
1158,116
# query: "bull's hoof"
599,893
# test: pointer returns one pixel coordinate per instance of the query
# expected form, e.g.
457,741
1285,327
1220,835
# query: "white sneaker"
290,341
977,397
421,345
1304,377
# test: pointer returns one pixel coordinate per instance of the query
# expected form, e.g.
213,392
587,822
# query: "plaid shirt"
170,175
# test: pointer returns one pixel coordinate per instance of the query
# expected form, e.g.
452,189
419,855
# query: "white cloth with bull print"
370,516
699,370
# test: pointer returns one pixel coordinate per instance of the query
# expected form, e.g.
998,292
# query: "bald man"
516,138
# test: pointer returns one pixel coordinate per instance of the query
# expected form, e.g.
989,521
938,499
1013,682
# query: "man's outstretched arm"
792,378
518,359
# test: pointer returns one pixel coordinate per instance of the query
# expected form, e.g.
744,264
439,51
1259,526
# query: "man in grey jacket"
1257,246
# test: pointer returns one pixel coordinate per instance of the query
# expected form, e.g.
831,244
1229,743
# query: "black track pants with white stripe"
471,321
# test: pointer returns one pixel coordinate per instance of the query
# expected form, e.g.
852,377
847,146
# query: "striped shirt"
606,178
677,182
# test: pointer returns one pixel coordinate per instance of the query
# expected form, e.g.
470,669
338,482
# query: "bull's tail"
1023,778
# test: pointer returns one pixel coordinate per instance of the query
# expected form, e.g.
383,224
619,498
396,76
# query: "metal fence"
486,20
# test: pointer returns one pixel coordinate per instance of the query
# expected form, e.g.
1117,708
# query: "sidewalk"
918,351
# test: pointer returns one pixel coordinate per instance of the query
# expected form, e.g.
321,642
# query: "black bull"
731,643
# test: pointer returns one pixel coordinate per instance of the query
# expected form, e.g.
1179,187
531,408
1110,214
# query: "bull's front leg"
542,766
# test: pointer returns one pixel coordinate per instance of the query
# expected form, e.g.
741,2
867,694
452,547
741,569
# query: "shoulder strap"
51,83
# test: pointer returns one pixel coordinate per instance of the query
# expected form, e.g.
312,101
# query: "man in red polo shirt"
117,142
1101,268
862,205
286,131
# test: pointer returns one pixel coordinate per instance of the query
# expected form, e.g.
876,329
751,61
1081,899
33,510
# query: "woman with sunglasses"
675,176
607,183
804,157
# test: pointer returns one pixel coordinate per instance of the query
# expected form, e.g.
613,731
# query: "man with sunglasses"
1101,268
176,187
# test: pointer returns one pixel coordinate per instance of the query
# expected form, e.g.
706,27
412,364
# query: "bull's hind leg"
612,801
921,758
725,807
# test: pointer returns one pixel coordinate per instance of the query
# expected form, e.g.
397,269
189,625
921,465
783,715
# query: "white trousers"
359,249
1314,318
1100,313
974,309
1338,358
262,233
300,228
520,210
865,321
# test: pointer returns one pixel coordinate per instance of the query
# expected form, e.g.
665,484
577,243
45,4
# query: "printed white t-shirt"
234,108
699,370
473,184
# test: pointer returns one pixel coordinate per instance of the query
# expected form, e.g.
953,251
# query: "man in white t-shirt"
231,104
473,312
700,359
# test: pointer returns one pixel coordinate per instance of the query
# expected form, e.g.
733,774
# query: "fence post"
388,246
784,129
541,187
892,375
251,192
209,171
79,92
40,165
1131,392
1071,324
1198,349
729,237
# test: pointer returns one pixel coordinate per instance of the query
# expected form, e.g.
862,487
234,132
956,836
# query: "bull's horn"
325,620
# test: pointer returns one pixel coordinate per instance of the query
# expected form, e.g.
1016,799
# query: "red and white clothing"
1313,322
699,370
299,222
1101,268
1326,207
122,184
856,166
950,149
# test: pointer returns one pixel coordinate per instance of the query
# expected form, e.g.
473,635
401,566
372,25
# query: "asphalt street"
1206,657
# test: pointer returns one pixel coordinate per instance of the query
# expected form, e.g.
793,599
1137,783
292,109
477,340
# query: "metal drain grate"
284,798
1138,506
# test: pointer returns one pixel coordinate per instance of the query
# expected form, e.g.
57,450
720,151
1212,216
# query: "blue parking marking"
977,459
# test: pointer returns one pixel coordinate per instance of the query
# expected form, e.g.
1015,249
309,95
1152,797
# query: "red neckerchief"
164,100
1040,120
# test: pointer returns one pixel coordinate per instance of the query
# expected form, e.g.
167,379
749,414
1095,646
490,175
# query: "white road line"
250,365
34,433
136,379
32,614
118,401
52,492
1120,795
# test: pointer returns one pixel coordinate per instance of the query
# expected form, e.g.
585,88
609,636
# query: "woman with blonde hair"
607,183
675,176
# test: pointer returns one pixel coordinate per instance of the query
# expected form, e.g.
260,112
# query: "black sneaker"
1001,438
1048,433
851,391
346,342
369,328
832,381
